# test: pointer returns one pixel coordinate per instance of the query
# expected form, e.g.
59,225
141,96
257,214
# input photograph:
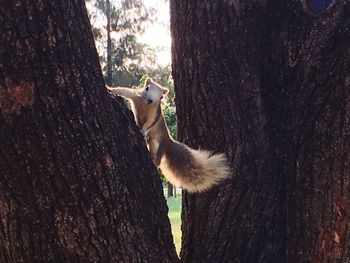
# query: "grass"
174,204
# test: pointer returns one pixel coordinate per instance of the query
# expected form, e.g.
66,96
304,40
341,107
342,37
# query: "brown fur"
194,170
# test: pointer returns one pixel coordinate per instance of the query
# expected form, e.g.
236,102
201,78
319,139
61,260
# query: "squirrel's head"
153,92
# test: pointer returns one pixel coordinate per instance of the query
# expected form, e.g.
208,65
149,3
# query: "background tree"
124,19
268,83
70,156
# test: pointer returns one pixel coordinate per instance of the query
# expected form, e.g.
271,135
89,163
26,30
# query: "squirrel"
193,170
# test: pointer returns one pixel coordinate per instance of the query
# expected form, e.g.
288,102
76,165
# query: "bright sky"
157,35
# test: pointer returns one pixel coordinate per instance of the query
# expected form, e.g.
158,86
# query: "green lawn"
174,204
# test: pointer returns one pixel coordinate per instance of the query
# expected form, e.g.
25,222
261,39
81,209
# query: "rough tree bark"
268,83
70,156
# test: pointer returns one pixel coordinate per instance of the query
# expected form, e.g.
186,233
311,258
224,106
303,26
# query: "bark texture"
266,82
73,166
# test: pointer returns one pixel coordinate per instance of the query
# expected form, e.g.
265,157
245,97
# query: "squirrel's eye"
146,88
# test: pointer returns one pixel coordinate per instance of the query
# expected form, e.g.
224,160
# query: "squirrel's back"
194,170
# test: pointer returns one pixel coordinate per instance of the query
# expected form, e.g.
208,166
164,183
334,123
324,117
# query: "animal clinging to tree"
194,170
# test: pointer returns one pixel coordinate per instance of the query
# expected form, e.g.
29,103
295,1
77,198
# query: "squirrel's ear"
148,81
165,91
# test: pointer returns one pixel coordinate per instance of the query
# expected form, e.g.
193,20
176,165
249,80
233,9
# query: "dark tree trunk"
109,44
266,82
170,190
70,156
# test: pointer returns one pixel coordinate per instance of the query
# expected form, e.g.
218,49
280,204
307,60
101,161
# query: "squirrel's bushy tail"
194,170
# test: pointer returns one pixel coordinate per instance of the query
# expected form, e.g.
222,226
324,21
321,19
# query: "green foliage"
169,111
128,75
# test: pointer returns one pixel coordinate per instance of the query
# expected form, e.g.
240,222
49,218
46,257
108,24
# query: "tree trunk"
266,82
170,190
109,44
70,156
